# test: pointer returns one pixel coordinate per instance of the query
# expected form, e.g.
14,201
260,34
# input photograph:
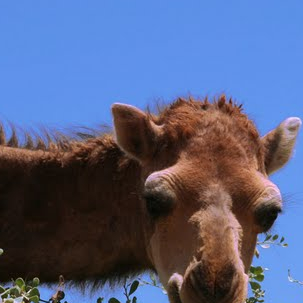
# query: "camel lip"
174,285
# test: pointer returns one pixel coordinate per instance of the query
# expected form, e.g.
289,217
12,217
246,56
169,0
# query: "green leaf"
60,295
275,237
28,288
36,282
34,299
134,300
259,277
2,289
4,294
113,300
282,240
254,285
258,270
100,300
9,300
252,269
34,292
268,236
20,282
134,287
15,291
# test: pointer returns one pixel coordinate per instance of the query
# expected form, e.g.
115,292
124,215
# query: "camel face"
206,193
205,231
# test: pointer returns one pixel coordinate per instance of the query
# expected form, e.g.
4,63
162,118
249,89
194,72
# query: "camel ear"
279,144
135,133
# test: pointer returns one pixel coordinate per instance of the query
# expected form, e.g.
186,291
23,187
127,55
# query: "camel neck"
83,206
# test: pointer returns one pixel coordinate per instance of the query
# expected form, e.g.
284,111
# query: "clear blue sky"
65,63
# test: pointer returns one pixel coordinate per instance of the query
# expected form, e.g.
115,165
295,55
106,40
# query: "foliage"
27,291
21,291
153,282
257,274
272,240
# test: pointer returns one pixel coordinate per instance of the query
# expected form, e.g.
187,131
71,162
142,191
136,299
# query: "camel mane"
179,118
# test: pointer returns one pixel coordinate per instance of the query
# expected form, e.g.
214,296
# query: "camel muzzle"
201,284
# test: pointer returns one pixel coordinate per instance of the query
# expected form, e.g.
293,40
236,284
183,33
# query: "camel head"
205,192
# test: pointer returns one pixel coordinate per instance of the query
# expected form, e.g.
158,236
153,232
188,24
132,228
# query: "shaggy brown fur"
76,208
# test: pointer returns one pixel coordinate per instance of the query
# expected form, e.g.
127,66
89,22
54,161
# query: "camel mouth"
199,284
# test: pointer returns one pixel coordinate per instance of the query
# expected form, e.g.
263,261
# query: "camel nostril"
224,280
210,286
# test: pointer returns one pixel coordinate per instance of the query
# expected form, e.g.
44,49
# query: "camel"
184,193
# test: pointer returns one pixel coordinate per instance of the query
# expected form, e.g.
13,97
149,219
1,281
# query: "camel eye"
158,204
266,215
